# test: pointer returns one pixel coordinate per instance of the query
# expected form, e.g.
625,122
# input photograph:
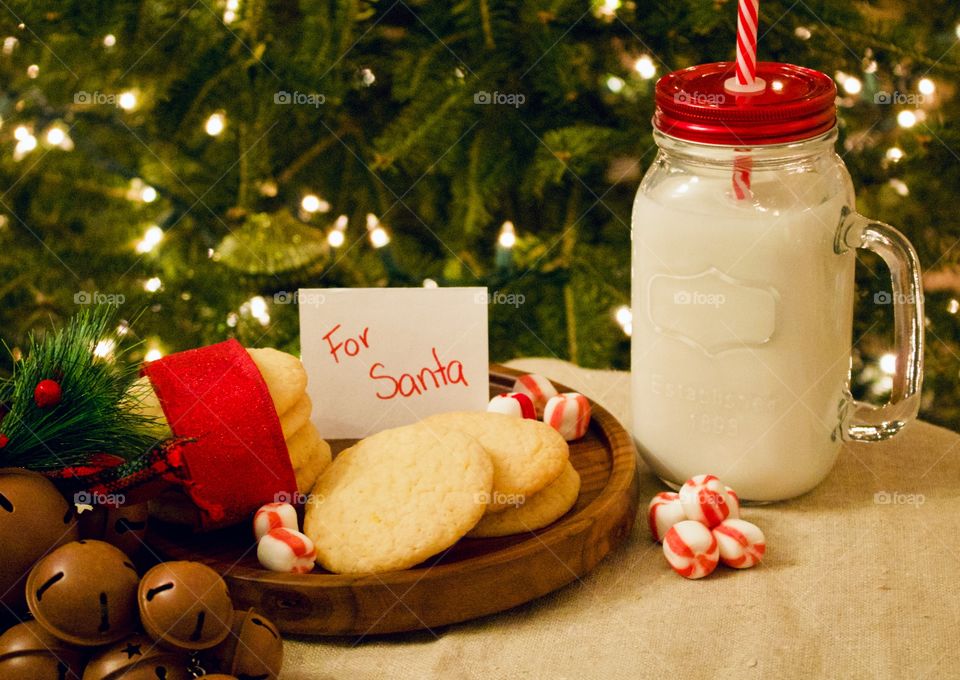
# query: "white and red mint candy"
274,516
568,414
704,499
733,500
742,544
514,404
663,512
691,549
286,550
538,388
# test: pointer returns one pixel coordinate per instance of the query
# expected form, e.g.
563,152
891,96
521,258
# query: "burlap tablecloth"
860,581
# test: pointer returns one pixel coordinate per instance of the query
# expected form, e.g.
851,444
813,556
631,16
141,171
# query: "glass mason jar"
744,238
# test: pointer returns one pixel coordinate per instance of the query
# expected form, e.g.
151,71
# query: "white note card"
382,357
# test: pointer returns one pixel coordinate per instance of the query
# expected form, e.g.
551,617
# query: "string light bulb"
430,283
104,348
926,87
55,136
852,85
378,235
624,318
127,100
141,191
615,84
899,186
109,40
606,9
906,119
153,284
151,238
508,235
257,307
215,124
230,11
33,71
25,145
888,363
152,354
312,203
336,237
894,154
645,67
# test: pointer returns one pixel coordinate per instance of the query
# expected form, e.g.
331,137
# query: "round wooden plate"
476,577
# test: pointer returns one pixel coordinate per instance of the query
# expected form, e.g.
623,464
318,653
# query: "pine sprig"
94,415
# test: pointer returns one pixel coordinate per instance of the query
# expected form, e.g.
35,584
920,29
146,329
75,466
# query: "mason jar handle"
866,422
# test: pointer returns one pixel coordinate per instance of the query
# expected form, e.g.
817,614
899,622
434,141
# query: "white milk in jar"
743,302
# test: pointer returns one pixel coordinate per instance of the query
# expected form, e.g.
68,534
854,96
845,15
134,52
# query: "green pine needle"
94,415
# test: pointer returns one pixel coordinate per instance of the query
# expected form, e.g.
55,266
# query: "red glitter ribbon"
239,461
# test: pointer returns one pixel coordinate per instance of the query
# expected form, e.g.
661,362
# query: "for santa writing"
433,376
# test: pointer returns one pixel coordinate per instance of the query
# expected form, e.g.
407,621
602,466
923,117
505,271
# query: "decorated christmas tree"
203,162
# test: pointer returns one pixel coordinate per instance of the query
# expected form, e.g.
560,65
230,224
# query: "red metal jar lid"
797,103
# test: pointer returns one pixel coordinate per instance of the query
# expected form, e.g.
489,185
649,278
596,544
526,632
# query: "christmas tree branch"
91,411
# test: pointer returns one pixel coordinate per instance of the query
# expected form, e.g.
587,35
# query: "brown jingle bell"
137,656
85,593
185,605
254,648
34,519
124,526
28,652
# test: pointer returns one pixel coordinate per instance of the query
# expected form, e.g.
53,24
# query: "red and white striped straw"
748,12
742,163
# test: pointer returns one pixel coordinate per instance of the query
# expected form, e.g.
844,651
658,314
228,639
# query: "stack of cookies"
401,496
286,381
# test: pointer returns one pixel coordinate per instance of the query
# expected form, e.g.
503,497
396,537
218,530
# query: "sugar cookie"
296,416
527,454
537,511
394,499
284,374
309,455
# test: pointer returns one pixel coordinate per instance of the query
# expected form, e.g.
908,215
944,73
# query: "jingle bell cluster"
91,615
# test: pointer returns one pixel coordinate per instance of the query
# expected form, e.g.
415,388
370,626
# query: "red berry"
3,440
47,393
